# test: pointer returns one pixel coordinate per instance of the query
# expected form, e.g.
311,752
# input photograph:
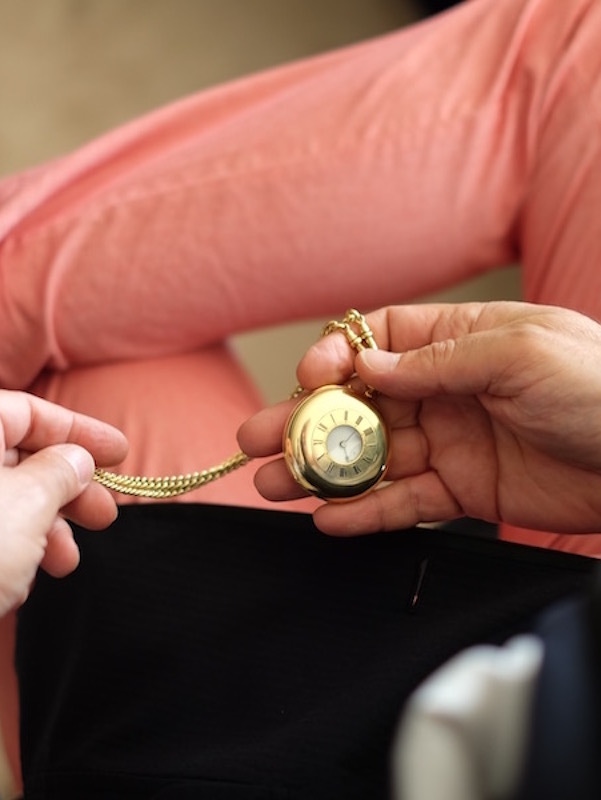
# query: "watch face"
344,443
336,443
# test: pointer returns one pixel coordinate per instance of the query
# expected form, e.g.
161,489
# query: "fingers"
397,328
261,435
37,488
31,423
406,328
31,495
275,482
62,554
468,365
58,478
63,469
471,349
12,456
94,508
33,432
434,329
403,328
47,459
398,505
330,360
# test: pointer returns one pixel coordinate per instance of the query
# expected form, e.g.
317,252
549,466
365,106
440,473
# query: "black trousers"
212,652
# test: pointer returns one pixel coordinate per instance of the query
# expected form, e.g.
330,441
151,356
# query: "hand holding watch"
335,442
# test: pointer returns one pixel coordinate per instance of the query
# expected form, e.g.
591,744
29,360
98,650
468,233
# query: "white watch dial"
344,444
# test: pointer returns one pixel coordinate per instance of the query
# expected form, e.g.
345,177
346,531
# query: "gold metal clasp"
361,339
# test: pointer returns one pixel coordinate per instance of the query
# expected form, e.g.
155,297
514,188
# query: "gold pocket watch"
336,443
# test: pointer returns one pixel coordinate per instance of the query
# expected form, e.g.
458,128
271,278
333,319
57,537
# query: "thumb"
31,494
44,482
463,366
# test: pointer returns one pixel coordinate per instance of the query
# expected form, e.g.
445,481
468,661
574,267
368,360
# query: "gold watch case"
336,443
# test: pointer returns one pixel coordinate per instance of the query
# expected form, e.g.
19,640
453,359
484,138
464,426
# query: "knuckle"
440,354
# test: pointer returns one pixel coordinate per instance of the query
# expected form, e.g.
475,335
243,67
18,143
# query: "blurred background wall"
71,69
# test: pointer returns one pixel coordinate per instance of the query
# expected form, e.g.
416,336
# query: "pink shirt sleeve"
365,176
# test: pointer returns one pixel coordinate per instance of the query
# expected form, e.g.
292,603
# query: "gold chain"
168,485
355,328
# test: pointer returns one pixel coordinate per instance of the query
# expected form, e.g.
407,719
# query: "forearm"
366,176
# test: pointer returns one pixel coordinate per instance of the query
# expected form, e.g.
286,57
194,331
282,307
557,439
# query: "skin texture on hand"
494,413
47,459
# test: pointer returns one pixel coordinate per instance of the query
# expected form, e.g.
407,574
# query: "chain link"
169,485
359,336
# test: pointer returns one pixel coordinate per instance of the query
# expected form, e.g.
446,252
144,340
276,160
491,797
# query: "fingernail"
79,459
380,360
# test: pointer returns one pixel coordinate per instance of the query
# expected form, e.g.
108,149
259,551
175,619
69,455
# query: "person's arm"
494,412
361,177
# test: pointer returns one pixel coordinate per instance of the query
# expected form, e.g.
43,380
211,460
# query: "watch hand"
346,455
343,445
